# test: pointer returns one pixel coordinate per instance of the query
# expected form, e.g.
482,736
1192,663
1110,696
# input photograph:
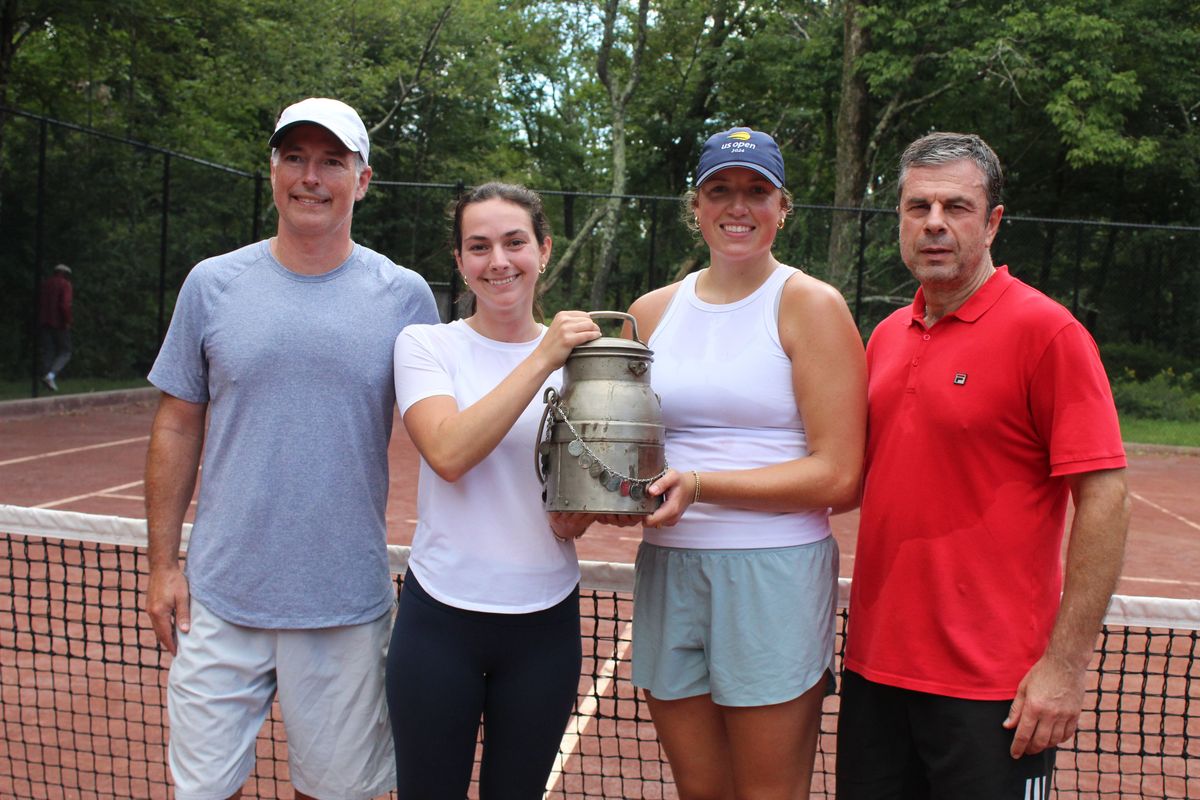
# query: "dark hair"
527,199
942,147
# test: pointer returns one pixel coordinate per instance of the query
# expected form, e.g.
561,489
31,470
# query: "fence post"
39,229
459,188
256,223
1075,275
651,267
162,243
861,267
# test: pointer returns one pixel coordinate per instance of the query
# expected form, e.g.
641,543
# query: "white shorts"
331,695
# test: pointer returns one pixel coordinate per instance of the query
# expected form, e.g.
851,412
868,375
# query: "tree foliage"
1092,105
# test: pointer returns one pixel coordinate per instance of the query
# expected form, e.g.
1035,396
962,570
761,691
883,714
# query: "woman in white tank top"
763,384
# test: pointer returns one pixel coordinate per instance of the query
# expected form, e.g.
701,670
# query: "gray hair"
942,147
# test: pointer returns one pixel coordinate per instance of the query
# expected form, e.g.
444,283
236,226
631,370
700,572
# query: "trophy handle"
549,397
622,316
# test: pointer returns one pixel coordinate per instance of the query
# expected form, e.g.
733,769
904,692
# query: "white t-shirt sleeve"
421,371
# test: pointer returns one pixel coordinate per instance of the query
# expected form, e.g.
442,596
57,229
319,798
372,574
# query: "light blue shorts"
329,683
750,627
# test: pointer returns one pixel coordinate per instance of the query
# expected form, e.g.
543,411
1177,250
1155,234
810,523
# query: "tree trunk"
853,127
612,216
564,266
619,102
9,40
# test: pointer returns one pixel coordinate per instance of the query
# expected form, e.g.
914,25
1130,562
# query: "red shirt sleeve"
68,295
1072,405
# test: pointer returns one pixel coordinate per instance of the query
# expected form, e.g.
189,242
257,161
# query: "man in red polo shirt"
988,407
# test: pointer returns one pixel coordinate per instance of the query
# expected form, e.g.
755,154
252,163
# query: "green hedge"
1142,362
1166,396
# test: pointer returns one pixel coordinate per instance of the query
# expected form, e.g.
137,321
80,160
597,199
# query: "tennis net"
82,684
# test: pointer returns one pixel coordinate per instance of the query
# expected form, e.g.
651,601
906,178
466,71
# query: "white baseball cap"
335,116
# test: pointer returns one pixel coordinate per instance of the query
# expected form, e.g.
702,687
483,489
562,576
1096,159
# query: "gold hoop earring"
466,282
781,221
542,269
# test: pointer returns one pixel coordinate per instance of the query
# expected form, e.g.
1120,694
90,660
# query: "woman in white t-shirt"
763,384
488,620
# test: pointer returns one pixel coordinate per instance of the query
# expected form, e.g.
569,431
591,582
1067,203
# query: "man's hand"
169,605
1047,706
1046,709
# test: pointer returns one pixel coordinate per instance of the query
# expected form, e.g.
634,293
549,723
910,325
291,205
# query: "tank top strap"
767,297
776,280
686,293
770,310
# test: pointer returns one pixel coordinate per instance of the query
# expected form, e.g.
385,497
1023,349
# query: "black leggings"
447,667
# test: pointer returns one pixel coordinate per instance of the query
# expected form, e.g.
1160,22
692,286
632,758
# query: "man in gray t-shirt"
286,347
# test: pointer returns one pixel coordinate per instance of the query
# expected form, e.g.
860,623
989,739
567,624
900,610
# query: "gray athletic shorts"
331,695
750,627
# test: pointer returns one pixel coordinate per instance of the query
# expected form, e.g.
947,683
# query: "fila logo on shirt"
960,378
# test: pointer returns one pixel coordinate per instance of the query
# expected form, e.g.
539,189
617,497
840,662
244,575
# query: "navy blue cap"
741,147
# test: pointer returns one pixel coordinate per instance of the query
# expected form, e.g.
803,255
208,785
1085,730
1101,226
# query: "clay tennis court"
89,459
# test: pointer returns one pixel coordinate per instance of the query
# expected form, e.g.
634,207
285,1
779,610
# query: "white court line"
97,493
1160,580
1166,511
23,459
587,709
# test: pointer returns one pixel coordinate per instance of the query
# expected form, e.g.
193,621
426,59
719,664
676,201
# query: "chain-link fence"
131,220
1126,282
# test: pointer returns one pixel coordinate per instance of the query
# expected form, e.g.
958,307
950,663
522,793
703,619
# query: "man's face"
315,183
945,228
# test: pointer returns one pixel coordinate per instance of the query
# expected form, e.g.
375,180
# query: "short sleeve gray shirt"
298,376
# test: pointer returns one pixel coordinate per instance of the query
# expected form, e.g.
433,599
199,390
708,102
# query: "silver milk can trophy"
600,443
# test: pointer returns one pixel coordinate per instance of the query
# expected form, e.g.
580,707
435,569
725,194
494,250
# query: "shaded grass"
1160,431
20,390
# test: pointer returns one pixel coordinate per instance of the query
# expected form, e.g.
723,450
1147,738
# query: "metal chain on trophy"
611,479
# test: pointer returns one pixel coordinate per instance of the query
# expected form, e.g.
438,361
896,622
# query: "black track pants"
447,668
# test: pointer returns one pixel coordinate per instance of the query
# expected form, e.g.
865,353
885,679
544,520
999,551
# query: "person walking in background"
488,623
286,345
763,386
54,324
988,408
